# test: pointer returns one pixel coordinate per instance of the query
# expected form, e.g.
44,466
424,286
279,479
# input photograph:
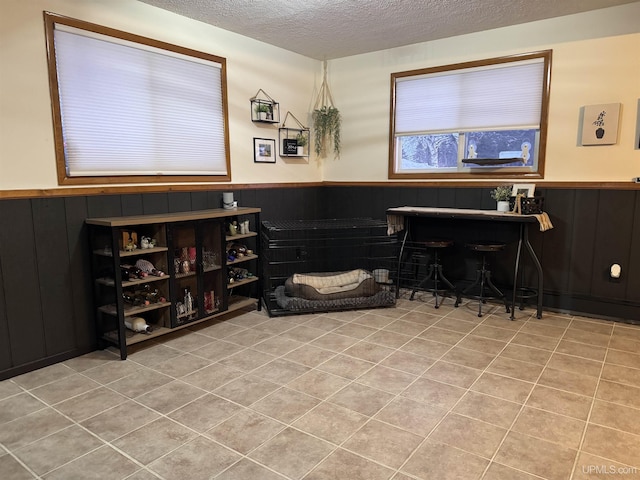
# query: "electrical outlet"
614,272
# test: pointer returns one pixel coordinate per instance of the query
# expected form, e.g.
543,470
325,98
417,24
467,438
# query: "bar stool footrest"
523,294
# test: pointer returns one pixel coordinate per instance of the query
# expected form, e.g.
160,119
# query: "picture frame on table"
526,189
264,150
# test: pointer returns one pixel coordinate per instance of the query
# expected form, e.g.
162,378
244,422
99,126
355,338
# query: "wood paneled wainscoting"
46,307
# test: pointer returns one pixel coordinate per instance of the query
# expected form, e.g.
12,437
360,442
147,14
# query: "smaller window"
477,118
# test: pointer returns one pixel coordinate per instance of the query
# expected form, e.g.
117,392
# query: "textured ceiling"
327,29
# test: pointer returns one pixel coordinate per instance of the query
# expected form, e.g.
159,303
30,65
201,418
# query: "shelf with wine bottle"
171,270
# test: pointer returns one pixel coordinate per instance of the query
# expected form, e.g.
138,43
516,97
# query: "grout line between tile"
358,321
593,401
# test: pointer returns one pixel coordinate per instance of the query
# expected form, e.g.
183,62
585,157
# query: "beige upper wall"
27,157
595,60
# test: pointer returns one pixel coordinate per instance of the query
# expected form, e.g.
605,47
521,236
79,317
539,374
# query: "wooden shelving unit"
203,234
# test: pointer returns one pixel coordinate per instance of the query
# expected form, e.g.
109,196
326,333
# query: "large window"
477,119
134,109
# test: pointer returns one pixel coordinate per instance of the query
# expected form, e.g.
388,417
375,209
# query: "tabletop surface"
171,217
468,213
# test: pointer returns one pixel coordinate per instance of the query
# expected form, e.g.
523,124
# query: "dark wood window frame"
480,174
50,20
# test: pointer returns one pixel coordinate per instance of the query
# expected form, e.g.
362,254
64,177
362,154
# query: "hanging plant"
326,129
326,120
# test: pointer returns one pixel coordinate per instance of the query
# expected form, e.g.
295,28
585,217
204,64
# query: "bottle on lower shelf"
188,301
138,325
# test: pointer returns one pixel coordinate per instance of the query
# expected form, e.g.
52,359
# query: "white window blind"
132,109
501,96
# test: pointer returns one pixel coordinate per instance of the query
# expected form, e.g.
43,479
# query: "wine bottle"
130,272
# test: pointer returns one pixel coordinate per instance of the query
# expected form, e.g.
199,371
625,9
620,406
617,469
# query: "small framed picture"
526,189
264,150
599,124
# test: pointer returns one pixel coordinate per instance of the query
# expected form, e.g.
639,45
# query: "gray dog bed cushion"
382,298
331,285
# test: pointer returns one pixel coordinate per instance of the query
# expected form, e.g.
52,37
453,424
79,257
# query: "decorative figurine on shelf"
148,242
129,241
188,301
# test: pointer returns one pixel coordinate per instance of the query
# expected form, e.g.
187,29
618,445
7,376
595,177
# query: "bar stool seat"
483,276
434,281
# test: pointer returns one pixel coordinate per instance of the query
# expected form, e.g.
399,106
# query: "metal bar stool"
434,274
483,276
522,293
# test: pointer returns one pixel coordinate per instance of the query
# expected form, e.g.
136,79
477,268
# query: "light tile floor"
401,393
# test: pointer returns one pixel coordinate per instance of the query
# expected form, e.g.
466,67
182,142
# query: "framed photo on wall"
264,150
600,124
526,189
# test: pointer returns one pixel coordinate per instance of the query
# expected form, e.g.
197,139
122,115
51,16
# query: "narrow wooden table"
400,218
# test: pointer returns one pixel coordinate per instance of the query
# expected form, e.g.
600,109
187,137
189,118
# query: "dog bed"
326,291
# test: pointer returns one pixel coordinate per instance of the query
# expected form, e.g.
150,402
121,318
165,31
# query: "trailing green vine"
326,129
326,121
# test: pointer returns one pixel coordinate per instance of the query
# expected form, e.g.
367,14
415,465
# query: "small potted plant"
301,142
264,111
502,194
